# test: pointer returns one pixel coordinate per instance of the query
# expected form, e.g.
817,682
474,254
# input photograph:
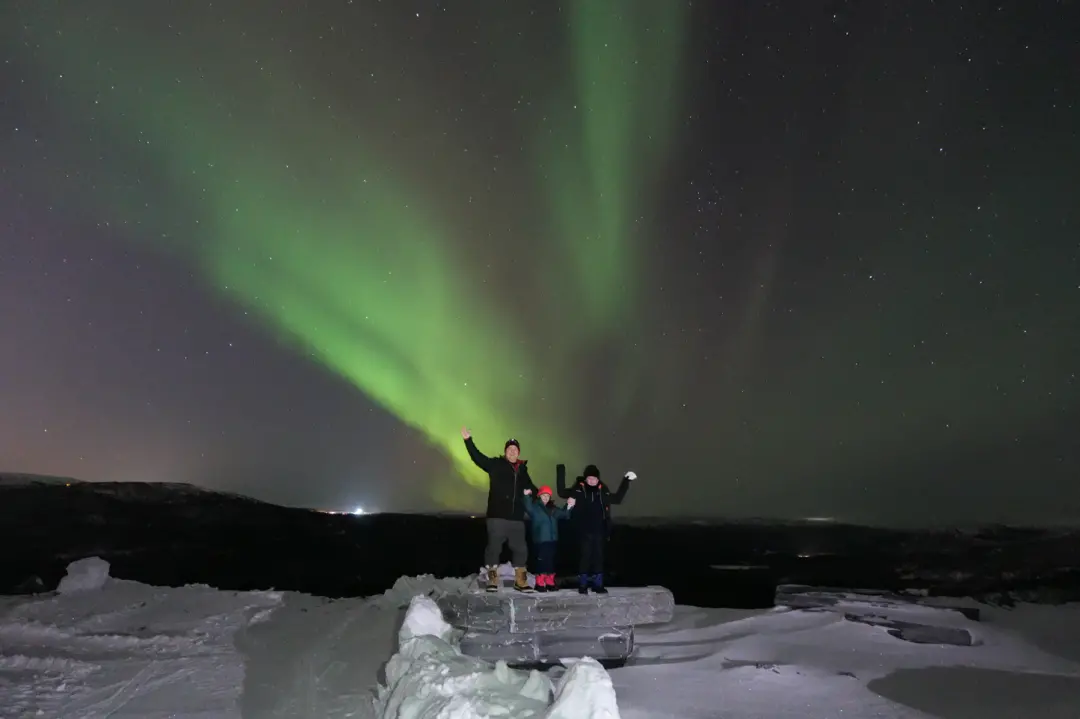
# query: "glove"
631,476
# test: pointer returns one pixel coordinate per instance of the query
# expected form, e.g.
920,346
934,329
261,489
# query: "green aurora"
345,257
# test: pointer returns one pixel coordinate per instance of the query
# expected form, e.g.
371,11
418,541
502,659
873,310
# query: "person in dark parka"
544,518
508,478
592,520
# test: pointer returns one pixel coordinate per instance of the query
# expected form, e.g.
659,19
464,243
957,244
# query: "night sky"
781,259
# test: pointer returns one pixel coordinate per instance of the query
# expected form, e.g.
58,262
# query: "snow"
124,650
428,677
84,575
585,691
116,648
424,618
781,664
405,588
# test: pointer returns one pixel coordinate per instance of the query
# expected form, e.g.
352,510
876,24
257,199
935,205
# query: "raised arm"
560,482
480,459
620,493
528,479
532,505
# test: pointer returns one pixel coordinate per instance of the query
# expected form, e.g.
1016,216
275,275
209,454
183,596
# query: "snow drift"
105,647
126,650
84,575
428,678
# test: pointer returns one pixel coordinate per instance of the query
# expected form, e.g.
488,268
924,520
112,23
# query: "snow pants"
506,531
545,557
591,559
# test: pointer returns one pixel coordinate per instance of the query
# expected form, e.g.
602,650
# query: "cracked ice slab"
800,596
550,646
916,632
518,613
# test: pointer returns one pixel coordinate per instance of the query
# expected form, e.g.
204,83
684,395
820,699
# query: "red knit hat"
545,490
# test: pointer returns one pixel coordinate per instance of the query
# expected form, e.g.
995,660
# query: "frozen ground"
110,648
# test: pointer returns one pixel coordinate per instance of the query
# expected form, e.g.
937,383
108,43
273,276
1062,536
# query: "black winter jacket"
592,508
507,484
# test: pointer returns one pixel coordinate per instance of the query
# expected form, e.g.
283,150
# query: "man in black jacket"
592,520
508,478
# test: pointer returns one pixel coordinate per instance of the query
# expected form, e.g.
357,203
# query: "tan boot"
492,579
521,580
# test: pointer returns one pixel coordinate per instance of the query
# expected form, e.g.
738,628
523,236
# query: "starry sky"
780,259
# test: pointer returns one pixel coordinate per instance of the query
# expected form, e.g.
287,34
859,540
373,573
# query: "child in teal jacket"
544,519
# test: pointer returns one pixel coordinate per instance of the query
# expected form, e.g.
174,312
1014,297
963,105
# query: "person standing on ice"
592,518
508,478
544,519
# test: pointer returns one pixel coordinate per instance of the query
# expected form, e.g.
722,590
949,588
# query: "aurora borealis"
783,263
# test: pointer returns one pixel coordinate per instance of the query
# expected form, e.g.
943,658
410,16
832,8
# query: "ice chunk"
605,644
429,677
585,691
916,632
800,596
424,619
405,588
928,634
515,612
84,575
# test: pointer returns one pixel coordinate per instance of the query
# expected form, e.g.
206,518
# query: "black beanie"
511,443
591,471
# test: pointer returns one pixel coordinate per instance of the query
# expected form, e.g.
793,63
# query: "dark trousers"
592,553
506,531
545,557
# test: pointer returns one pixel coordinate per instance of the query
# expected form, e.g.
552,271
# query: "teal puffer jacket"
544,519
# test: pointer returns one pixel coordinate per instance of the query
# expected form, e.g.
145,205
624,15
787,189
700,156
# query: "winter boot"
551,586
492,579
521,580
583,584
598,584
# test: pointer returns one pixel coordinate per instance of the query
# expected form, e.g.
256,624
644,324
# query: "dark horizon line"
1062,525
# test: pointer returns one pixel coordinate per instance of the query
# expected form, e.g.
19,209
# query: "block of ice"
916,632
610,644
84,575
800,596
518,613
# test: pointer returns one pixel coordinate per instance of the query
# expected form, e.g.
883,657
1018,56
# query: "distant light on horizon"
819,519
356,511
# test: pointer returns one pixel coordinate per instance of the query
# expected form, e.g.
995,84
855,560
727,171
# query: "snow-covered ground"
102,647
